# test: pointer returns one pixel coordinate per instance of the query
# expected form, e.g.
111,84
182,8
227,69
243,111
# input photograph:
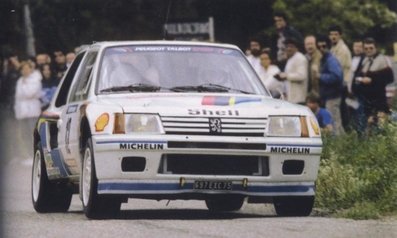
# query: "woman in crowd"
49,85
266,74
27,105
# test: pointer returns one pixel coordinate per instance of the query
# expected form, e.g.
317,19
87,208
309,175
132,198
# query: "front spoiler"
187,187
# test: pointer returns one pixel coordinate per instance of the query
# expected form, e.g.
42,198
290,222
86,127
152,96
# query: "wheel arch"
85,133
36,137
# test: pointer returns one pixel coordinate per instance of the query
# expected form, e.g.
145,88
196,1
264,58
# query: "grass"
358,175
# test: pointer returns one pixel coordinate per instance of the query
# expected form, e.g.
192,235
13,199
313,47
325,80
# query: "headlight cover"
286,126
139,123
143,123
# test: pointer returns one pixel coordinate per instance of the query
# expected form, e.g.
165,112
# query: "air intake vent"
133,164
293,167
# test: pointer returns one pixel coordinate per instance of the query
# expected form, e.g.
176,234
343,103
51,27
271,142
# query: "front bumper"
109,151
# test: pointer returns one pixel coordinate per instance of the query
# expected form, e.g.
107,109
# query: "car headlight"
137,123
288,126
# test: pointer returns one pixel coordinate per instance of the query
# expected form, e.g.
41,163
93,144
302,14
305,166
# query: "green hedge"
358,175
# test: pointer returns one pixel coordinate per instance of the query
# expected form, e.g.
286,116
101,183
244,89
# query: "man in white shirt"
295,73
357,59
255,50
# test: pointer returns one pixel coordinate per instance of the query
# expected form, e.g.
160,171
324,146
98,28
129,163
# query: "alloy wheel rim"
36,176
86,177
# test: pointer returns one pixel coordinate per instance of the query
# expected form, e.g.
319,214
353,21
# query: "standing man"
313,56
331,82
358,57
369,85
340,50
11,73
69,58
254,58
42,59
295,73
342,53
355,109
284,31
60,64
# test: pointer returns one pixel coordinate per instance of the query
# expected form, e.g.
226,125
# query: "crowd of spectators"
346,92
27,86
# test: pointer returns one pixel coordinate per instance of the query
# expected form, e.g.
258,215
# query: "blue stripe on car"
43,135
130,141
56,157
285,145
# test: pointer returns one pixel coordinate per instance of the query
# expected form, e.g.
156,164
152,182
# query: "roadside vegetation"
358,175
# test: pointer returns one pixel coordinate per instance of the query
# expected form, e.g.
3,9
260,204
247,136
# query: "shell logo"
101,122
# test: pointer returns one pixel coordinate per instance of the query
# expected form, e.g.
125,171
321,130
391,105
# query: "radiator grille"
253,127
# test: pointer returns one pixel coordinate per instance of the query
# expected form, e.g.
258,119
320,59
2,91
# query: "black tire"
47,196
293,206
95,206
224,203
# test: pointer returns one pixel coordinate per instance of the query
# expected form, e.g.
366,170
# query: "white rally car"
172,120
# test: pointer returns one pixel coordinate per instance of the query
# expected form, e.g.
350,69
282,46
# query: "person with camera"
295,73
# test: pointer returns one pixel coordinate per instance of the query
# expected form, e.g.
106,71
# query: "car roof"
105,44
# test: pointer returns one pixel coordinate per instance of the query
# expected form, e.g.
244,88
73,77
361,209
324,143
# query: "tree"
357,18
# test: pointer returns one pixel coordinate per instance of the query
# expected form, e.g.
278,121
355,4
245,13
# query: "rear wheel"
47,196
294,206
224,203
95,206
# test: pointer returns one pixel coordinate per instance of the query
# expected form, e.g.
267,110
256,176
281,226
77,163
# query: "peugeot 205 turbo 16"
172,120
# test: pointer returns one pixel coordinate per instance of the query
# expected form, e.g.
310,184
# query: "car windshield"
176,69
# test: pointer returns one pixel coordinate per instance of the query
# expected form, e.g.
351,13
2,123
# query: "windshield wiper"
138,87
225,88
209,87
199,88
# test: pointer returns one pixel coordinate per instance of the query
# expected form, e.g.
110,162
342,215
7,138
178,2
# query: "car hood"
204,105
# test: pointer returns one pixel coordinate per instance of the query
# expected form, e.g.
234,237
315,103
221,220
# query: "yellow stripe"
232,100
41,121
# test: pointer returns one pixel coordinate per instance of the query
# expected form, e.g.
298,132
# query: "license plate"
212,185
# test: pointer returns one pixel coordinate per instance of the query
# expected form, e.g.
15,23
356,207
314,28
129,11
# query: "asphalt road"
146,218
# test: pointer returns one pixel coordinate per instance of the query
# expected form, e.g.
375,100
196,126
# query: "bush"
358,174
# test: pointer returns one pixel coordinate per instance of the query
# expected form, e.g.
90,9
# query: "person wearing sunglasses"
369,84
331,82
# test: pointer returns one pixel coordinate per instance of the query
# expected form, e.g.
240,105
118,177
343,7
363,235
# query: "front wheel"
293,206
47,196
95,206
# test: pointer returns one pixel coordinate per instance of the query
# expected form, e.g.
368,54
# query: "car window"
67,82
79,90
177,66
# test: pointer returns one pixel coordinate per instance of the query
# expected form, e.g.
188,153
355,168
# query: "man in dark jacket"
331,82
284,31
370,82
